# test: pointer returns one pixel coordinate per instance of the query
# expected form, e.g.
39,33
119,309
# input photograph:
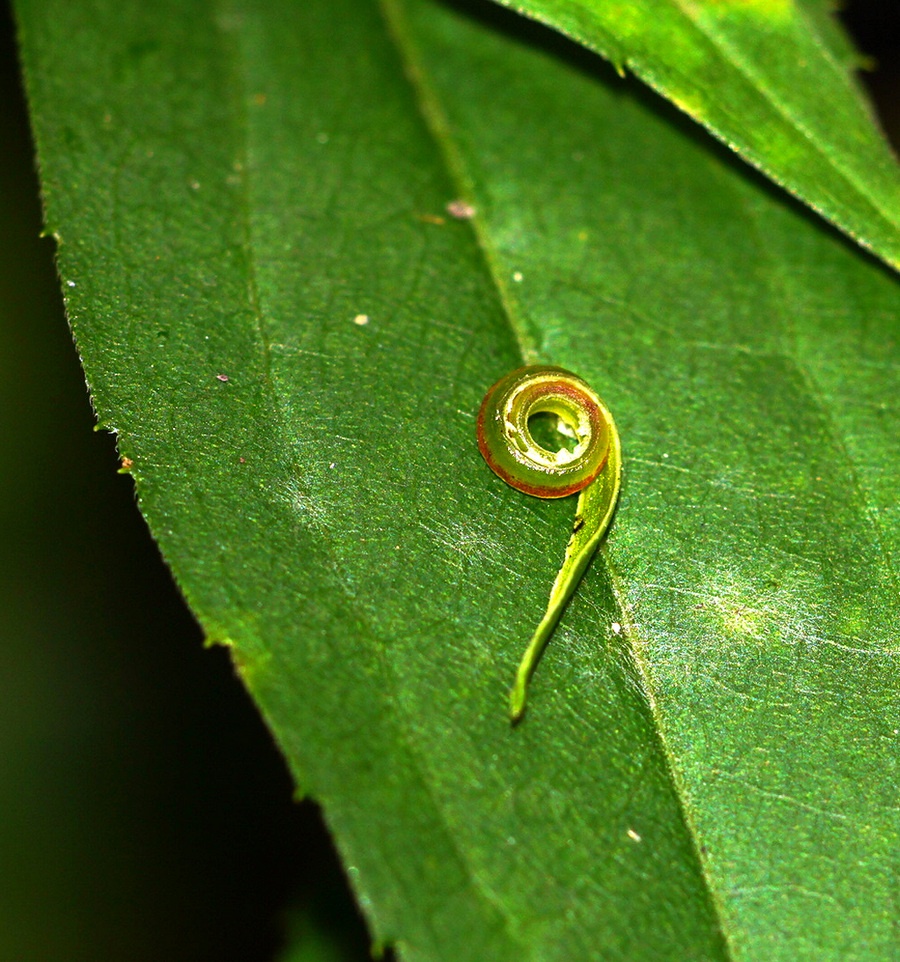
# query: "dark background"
144,811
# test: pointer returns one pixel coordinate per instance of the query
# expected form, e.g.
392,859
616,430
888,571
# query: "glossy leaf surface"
292,338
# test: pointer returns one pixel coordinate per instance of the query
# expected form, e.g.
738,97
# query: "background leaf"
327,513
771,79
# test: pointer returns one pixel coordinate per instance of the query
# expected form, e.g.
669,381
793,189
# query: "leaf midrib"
439,127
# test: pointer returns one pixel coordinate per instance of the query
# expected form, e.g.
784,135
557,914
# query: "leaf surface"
291,336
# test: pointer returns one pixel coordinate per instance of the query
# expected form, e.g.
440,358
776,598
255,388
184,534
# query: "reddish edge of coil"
541,491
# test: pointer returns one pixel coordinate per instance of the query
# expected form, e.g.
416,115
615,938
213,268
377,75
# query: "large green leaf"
772,79
708,767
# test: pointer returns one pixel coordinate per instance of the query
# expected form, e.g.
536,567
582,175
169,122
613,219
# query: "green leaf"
292,337
769,78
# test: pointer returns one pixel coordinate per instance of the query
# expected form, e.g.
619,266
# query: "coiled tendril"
590,463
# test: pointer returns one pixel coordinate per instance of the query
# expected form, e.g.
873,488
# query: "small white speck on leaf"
361,320
633,835
616,628
518,277
70,283
460,210
331,465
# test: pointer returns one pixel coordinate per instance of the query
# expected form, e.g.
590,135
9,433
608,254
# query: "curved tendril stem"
535,649
593,514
